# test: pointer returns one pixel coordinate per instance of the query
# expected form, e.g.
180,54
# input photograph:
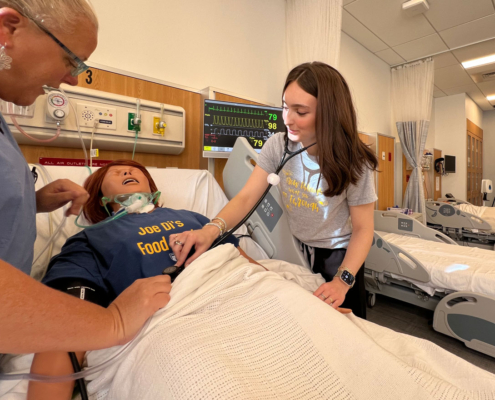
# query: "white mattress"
186,189
452,268
486,213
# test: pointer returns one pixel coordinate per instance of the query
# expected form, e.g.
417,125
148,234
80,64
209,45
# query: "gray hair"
61,14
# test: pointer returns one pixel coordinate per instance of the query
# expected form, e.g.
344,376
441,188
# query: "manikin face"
121,179
300,115
37,60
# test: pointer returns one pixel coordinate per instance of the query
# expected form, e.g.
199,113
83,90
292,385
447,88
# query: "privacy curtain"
412,95
313,31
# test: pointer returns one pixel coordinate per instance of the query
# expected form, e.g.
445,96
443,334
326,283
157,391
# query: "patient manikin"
129,240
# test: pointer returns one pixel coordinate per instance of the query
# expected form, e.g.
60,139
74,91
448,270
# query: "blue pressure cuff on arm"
82,289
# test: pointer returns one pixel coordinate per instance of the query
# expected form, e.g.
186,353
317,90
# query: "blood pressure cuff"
82,289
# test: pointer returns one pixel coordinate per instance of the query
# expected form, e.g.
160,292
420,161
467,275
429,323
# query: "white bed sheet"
235,331
472,269
194,190
487,213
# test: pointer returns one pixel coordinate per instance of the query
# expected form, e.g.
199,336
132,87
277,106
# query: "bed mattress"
452,268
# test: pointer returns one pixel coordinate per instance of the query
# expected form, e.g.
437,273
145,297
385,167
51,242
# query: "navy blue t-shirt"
113,255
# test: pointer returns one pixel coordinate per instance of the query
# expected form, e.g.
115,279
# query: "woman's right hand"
130,310
182,243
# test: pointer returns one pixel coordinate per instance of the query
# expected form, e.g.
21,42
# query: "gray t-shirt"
314,219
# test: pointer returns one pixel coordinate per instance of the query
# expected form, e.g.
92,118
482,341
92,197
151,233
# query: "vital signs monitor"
224,122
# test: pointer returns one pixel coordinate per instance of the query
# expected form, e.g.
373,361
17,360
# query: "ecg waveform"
235,110
238,122
237,132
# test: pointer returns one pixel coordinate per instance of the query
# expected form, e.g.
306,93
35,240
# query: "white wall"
369,80
473,112
430,139
450,137
237,46
489,148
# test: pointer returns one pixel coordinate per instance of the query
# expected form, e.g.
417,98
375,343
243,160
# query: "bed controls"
405,225
269,212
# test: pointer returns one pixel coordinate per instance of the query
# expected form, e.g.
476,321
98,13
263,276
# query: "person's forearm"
358,249
52,364
236,209
36,318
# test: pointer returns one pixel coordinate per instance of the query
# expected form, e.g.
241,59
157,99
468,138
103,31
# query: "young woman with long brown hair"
328,190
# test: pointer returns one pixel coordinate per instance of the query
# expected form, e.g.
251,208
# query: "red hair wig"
93,209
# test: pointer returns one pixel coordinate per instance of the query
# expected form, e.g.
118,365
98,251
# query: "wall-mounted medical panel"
110,113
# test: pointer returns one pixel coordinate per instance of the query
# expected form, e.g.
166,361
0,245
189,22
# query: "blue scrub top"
17,204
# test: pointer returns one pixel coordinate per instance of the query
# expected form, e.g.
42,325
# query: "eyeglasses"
80,65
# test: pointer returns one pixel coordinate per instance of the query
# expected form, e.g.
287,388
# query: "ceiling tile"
445,14
475,51
423,47
386,19
472,90
361,34
445,60
390,57
488,88
471,32
480,99
452,76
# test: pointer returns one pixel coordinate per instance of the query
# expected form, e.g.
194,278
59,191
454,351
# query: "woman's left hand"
332,293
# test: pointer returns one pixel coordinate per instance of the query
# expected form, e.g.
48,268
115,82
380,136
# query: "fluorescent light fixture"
491,98
479,61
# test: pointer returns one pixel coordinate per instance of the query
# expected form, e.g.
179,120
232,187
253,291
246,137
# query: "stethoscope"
273,180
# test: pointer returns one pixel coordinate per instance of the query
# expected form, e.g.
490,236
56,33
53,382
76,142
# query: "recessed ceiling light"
490,98
479,61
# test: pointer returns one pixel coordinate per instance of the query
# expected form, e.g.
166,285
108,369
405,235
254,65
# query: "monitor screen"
450,164
224,122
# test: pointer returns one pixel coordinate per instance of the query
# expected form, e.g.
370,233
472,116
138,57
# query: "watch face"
347,277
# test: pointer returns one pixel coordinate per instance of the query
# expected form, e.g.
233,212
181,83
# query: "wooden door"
474,163
385,176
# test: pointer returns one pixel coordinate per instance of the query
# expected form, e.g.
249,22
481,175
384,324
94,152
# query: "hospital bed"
466,223
225,318
413,263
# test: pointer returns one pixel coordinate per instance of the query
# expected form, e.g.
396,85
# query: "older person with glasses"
45,43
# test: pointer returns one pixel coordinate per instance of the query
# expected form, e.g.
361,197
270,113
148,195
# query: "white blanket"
235,331
451,268
486,213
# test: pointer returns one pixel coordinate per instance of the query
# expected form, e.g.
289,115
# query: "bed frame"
459,225
466,316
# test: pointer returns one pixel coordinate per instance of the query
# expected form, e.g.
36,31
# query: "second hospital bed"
411,262
464,222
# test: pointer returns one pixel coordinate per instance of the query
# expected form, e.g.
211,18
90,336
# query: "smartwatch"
346,276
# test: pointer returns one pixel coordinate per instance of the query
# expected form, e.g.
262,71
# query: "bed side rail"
469,317
386,257
446,215
393,222
268,225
